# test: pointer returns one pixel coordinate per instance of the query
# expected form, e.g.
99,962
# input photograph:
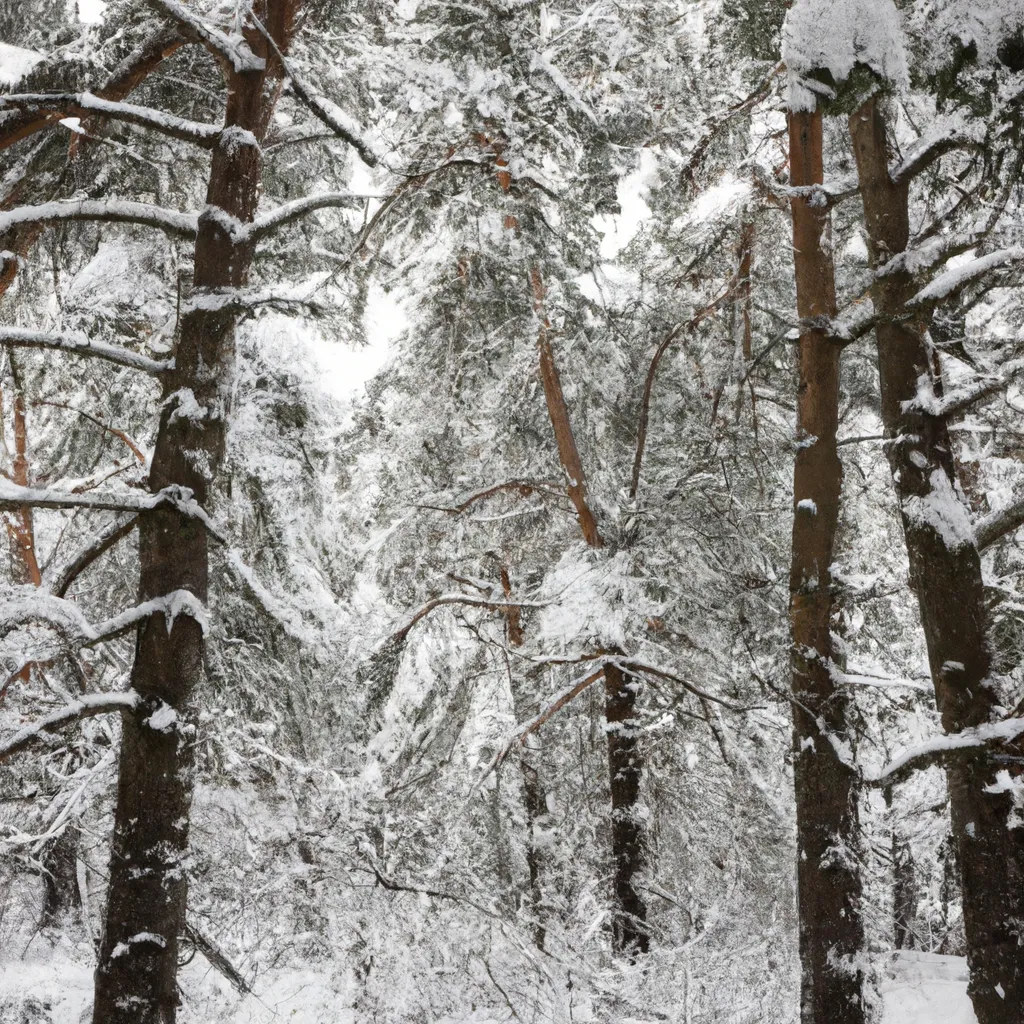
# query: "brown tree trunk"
828,867
945,574
629,933
145,914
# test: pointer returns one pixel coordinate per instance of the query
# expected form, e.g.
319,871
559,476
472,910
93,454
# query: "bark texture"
629,930
145,914
828,867
945,574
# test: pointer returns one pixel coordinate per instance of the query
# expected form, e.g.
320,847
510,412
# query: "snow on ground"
925,988
52,984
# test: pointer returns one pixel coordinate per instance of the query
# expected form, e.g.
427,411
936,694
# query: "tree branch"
217,960
234,52
524,487
81,345
997,525
59,580
111,211
126,76
927,152
87,706
324,110
288,212
12,496
942,748
77,104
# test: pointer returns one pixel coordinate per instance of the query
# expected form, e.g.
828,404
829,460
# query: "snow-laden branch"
86,706
81,345
325,111
930,253
13,496
288,212
234,50
960,399
927,151
954,280
997,525
926,754
78,104
112,211
495,605
523,732
27,605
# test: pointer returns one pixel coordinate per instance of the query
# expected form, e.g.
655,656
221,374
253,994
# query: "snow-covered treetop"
834,36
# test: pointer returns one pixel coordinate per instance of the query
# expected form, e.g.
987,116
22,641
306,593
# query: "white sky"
91,11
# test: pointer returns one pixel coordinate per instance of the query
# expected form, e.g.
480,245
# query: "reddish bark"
828,871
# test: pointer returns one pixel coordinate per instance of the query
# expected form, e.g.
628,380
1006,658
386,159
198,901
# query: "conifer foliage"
412,415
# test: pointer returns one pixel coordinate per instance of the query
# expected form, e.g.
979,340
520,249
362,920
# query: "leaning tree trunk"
625,765
828,867
629,930
145,914
945,573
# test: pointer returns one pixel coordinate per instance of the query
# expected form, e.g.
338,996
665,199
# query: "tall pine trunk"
945,574
145,914
828,866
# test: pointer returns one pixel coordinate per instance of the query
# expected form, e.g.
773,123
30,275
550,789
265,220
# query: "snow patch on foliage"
835,36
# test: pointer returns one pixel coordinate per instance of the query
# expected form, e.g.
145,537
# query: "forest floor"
52,984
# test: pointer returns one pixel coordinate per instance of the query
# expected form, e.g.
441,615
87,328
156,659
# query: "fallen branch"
217,960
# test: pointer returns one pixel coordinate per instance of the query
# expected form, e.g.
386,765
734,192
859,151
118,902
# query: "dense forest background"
511,511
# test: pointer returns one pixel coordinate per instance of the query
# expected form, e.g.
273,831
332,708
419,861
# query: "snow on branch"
960,399
398,635
27,605
288,212
77,104
234,50
13,496
571,692
928,150
86,706
112,211
997,525
82,345
325,111
927,754
823,41
946,284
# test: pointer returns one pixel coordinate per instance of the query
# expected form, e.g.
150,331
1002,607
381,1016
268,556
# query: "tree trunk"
629,930
828,867
145,914
945,573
